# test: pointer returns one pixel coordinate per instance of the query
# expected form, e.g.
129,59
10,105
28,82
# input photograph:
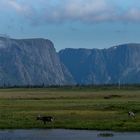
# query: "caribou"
45,118
131,114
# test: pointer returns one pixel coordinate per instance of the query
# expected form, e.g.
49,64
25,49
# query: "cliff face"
31,62
35,62
105,66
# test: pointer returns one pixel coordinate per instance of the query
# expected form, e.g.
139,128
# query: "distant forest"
104,86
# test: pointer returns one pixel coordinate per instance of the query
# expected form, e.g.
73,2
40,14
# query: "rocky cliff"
31,62
104,66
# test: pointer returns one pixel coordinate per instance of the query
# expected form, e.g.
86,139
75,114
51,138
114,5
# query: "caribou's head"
52,119
38,117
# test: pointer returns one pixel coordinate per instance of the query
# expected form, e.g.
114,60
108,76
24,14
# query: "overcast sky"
73,23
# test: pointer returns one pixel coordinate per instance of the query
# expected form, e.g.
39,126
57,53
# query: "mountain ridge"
104,66
34,61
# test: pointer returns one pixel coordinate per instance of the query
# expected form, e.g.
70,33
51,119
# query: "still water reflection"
61,134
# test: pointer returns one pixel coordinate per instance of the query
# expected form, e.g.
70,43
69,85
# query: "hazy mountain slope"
31,62
95,66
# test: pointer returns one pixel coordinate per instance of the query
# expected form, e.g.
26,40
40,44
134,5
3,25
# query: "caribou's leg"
44,122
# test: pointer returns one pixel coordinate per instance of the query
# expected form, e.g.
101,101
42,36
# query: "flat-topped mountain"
31,62
35,62
104,66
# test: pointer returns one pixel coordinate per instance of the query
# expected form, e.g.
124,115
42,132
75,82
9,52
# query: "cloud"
90,11
14,4
85,11
79,10
132,14
17,7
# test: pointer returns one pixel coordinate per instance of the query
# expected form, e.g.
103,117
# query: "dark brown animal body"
45,118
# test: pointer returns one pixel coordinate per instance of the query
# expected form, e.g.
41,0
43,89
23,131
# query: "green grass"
73,108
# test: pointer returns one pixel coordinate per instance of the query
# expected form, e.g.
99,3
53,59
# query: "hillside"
31,62
104,66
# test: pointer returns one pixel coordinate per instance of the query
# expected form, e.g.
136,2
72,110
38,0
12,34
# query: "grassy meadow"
73,108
